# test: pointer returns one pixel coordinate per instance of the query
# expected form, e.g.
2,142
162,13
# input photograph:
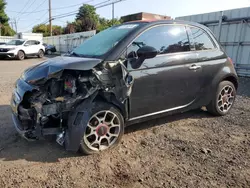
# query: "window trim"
209,36
158,25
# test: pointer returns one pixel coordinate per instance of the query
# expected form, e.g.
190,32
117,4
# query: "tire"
100,132
40,54
20,55
49,52
223,100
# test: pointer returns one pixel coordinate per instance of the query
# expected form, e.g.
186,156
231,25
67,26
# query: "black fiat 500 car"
124,75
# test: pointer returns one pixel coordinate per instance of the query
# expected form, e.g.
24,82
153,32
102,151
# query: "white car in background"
20,49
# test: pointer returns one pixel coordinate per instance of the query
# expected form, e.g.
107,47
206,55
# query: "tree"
44,29
5,28
70,28
41,28
86,18
106,23
57,30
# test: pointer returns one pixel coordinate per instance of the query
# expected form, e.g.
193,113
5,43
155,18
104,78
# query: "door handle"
194,67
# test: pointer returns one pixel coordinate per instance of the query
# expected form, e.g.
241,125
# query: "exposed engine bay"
50,107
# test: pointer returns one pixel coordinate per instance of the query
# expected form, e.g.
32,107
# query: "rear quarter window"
202,40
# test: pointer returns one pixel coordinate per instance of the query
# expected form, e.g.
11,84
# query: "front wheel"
104,130
20,55
223,100
41,54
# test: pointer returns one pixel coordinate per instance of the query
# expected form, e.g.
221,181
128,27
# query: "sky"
32,12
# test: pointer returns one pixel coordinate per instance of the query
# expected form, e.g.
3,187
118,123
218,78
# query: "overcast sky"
173,8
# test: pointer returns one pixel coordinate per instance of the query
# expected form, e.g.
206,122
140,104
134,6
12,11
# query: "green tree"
44,29
6,30
106,23
41,28
86,18
70,28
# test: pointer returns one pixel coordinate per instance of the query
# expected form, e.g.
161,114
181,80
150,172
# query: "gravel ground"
193,149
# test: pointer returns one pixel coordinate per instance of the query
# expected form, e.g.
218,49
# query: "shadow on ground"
13,147
244,86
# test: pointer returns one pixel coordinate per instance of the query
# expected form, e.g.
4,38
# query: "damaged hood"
53,67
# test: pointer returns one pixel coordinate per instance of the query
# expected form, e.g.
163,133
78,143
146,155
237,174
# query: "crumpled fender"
77,123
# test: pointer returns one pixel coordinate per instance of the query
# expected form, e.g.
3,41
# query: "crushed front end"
45,105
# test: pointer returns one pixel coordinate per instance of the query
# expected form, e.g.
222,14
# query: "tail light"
230,60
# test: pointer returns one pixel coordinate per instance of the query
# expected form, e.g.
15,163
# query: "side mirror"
26,44
147,52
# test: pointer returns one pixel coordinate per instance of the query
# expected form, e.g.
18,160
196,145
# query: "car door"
209,54
37,46
31,47
171,80
28,47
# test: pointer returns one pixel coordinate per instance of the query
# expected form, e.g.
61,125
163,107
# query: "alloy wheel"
102,131
41,54
21,55
226,99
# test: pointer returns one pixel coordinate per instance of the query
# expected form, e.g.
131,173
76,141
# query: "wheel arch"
232,79
21,50
111,98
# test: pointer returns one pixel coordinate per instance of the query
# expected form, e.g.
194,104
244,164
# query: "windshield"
104,41
15,42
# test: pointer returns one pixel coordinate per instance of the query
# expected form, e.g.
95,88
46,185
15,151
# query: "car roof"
158,22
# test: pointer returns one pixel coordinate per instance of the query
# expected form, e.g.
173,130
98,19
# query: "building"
144,16
231,27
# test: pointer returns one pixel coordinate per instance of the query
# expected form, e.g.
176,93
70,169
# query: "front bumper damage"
60,103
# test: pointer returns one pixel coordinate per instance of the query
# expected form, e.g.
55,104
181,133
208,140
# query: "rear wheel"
49,52
104,130
20,55
41,54
224,99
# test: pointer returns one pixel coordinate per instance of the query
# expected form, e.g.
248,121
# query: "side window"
33,42
166,39
37,42
201,39
28,42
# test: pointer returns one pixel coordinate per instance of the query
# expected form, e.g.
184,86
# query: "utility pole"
15,23
11,23
113,13
50,18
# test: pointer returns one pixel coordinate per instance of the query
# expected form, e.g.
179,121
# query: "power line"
36,21
27,12
72,5
28,8
23,7
42,10
75,12
114,2
31,4
99,5
37,7
44,22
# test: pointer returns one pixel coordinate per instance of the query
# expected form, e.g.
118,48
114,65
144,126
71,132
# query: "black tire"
20,55
49,52
40,54
214,106
96,108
